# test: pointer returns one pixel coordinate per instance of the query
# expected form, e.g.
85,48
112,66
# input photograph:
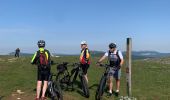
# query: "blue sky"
63,24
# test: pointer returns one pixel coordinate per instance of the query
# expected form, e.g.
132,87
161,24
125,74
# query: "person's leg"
118,80
85,68
17,54
110,80
39,83
117,85
45,78
86,78
44,88
110,84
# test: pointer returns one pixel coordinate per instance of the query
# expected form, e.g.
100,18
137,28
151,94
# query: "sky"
63,24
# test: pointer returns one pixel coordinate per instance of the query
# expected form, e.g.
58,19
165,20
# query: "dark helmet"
112,45
41,43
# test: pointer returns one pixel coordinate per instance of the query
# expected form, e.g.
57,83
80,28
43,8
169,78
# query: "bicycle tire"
85,86
58,92
100,89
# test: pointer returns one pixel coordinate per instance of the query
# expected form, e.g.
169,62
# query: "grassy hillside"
150,79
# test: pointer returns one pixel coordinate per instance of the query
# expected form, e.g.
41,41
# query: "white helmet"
83,42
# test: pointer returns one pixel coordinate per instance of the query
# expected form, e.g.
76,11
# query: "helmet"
83,42
41,43
112,45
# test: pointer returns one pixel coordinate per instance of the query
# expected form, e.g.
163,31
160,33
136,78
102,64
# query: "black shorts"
85,67
43,75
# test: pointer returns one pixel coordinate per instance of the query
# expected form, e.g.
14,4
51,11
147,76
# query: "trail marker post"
128,66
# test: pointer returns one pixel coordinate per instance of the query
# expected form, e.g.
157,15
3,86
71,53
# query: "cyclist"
42,59
115,59
17,51
84,58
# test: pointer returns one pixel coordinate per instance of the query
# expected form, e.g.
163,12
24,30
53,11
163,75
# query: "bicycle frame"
73,76
107,69
70,79
76,71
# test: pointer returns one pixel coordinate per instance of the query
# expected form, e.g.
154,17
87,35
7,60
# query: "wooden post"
128,66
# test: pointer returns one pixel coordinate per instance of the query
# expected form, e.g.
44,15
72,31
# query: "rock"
19,92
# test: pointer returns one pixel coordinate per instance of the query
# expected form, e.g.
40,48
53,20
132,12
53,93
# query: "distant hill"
58,54
21,54
96,53
137,54
150,54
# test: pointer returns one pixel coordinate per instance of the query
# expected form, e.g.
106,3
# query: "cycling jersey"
84,56
43,72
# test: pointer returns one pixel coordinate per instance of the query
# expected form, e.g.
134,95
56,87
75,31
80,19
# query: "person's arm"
33,61
122,61
49,57
102,58
87,54
121,58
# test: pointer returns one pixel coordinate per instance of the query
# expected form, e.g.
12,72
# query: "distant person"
84,58
115,59
17,52
42,59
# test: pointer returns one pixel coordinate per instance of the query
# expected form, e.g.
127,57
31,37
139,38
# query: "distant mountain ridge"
21,54
150,54
135,54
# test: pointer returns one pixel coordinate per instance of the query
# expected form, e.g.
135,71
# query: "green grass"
150,80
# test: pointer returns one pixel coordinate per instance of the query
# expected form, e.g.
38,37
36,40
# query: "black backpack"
117,54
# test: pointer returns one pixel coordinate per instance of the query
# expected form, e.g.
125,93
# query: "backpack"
117,54
43,60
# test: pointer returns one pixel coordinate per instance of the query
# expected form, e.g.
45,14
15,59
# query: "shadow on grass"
94,85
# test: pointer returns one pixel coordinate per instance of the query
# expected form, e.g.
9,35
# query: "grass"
150,80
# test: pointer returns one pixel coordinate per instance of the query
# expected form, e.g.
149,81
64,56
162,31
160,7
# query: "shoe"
109,94
116,94
37,99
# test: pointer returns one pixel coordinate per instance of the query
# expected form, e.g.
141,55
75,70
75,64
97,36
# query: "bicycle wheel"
84,86
58,92
100,89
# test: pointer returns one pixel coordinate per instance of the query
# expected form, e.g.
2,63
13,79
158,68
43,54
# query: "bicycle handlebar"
75,64
104,65
107,66
69,64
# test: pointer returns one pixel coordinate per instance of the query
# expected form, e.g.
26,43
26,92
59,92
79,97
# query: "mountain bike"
102,84
66,78
54,91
